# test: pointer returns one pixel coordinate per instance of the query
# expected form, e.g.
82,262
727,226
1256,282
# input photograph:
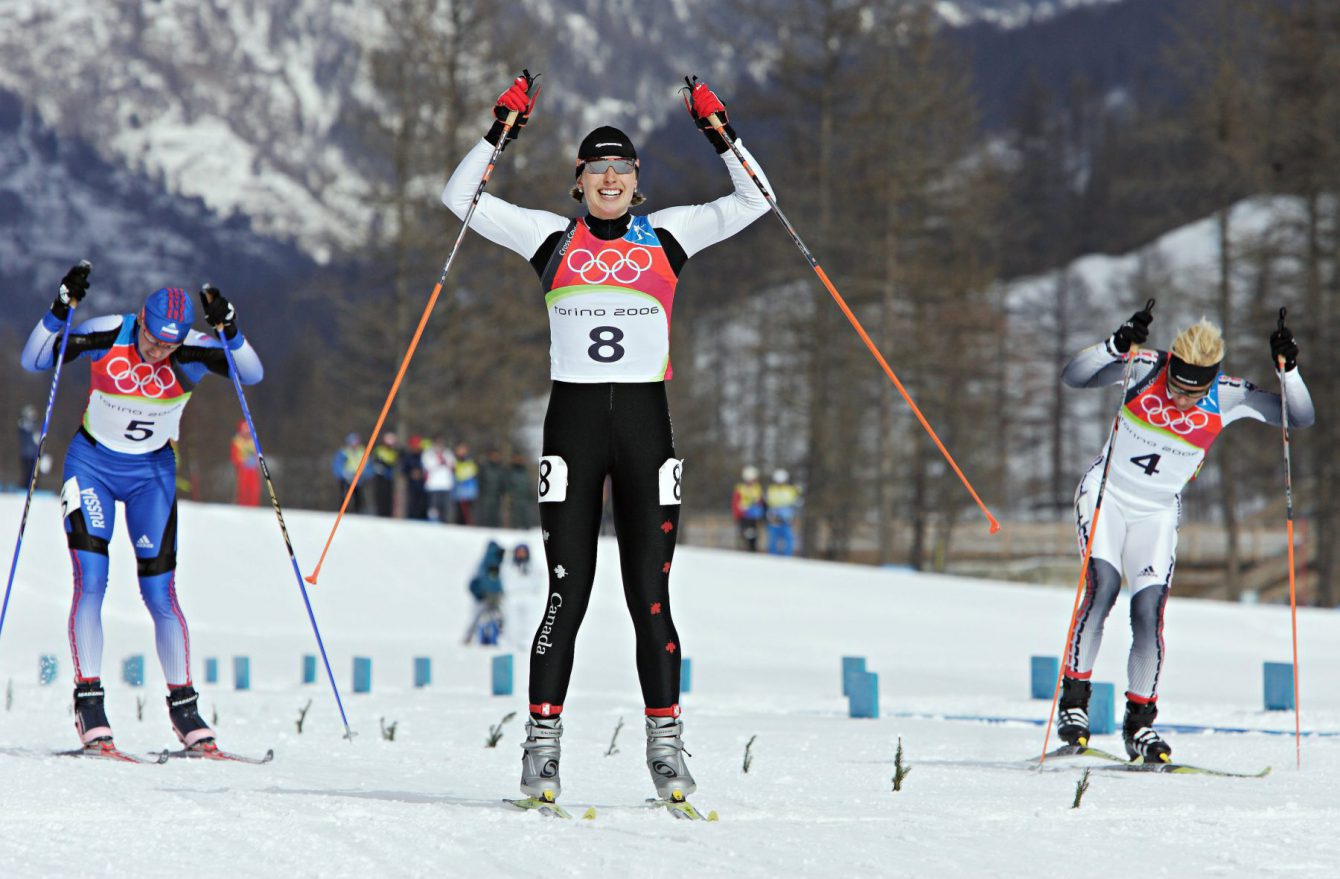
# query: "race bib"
553,479
671,481
600,334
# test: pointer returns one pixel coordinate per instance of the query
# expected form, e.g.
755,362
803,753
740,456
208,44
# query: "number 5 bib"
609,306
133,406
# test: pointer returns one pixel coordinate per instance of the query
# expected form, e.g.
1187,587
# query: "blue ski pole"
207,294
41,441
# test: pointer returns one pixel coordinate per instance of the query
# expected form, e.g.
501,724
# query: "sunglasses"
600,166
1183,391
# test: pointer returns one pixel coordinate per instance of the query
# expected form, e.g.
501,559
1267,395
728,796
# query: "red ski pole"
1293,591
418,332
842,304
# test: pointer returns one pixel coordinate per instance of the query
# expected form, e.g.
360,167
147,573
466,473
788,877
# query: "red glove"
517,99
703,103
514,99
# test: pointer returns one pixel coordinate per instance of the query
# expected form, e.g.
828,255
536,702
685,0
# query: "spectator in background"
492,484
385,456
416,493
522,493
344,465
487,588
467,485
782,499
28,430
439,473
747,507
246,467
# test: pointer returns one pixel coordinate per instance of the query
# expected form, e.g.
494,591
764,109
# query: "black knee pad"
78,536
166,560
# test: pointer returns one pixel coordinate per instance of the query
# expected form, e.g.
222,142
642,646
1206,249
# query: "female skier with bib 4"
1176,404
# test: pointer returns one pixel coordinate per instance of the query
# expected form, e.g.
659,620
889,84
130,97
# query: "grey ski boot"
665,759
539,763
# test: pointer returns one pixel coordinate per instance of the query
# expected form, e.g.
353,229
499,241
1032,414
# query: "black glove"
1283,345
218,310
518,98
73,287
704,103
1134,331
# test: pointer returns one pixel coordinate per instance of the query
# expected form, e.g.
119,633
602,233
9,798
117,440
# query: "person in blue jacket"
144,368
487,588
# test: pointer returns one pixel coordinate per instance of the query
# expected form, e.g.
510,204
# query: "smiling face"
607,192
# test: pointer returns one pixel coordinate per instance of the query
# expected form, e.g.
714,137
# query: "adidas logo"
1148,571
144,542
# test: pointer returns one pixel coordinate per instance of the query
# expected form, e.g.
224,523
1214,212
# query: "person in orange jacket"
246,467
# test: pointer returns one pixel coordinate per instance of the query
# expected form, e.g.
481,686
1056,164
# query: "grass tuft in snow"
899,770
495,731
1080,787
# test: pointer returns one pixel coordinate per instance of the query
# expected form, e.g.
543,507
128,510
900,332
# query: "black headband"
1189,375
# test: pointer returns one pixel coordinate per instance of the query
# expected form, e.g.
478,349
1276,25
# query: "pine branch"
612,749
1080,787
748,757
302,715
495,731
899,770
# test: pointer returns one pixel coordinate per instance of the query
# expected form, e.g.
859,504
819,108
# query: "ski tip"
713,816
589,814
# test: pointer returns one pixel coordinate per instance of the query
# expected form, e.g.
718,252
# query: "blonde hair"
1200,344
638,197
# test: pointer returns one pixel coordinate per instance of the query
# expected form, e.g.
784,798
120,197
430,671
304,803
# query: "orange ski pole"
842,304
418,332
1293,591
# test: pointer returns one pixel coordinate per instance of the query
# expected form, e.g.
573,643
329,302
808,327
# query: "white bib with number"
134,406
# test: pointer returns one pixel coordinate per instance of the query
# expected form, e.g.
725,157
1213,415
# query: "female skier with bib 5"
1175,406
144,368
608,280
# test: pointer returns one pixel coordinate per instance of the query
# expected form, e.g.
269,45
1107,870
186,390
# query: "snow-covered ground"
765,636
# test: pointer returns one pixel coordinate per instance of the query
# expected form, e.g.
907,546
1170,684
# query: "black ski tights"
590,431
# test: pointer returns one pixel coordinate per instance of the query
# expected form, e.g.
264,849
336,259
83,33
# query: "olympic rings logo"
149,380
610,264
1181,423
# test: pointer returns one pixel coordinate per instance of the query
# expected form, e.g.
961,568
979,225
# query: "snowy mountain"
61,201
1008,13
248,106
765,636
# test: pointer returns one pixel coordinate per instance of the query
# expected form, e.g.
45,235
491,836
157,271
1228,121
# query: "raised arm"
1242,399
39,353
698,226
1100,365
518,229
202,353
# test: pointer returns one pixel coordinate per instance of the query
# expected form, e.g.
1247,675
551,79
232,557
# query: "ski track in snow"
766,637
